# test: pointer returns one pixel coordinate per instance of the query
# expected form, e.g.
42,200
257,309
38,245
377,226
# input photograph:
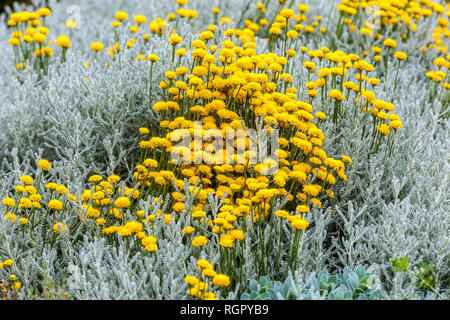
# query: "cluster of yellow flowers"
440,75
10,286
30,39
284,21
374,17
208,277
440,35
343,77
228,87
24,208
225,86
231,96
105,203
438,85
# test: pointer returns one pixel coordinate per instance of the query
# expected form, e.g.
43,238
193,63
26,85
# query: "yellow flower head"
59,228
55,204
122,202
8,263
121,16
221,280
97,46
390,43
26,179
63,41
199,241
140,19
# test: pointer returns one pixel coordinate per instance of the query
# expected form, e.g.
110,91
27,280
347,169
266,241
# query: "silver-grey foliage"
393,205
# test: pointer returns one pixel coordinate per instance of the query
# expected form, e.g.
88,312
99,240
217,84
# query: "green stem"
396,75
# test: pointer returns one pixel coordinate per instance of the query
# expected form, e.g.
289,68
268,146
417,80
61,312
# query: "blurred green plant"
424,277
51,290
358,284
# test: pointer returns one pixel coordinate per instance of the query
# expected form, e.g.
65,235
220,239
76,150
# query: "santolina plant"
252,135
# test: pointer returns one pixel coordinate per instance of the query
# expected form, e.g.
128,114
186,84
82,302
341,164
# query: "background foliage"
392,205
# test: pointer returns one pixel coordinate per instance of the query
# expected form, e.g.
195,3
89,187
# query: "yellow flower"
292,34
174,40
97,46
226,241
62,189
311,66
121,16
440,62
199,241
59,227
237,234
320,115
33,193
221,280
181,52
26,179
235,187
44,12
140,19
395,124
39,38
151,247
206,35
400,55
303,8
101,221
25,203
191,280
302,208
209,272
390,43
10,217
374,81
20,189
153,57
299,224
384,129
95,178
55,204
14,42
167,218
8,263
203,264
9,202
113,179
198,214
122,202
209,296
336,94
171,16
63,42
287,13
346,159
188,230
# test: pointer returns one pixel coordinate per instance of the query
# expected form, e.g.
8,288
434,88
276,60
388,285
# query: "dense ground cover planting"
262,150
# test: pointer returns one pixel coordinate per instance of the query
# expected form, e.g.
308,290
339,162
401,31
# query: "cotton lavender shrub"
116,180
